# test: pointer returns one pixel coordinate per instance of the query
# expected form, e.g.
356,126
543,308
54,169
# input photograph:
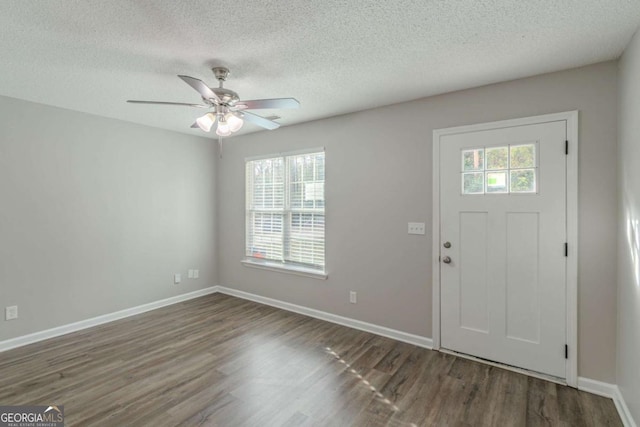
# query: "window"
500,170
285,212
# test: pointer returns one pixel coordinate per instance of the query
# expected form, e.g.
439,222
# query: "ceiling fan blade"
260,121
183,104
256,104
202,88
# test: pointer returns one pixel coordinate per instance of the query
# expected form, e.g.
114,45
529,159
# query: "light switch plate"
416,228
196,274
177,278
190,274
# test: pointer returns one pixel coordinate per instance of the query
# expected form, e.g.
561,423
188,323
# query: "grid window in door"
285,210
500,170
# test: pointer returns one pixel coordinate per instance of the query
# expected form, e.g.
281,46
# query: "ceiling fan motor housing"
227,96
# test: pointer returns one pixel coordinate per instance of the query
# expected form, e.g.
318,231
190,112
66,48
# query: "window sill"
283,268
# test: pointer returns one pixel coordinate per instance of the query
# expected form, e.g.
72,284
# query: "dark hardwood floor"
223,361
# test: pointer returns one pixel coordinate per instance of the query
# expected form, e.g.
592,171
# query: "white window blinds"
285,209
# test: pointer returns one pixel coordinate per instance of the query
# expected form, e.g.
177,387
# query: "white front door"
502,245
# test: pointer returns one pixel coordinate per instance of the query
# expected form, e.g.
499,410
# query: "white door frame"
571,117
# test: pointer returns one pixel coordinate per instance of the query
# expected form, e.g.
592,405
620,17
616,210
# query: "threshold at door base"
526,372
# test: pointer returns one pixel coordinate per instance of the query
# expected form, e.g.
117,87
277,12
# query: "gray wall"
96,215
628,350
379,178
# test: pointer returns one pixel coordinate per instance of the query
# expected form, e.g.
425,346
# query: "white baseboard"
596,387
611,391
623,409
95,321
416,340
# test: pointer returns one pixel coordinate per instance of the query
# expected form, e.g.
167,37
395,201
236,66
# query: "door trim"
571,117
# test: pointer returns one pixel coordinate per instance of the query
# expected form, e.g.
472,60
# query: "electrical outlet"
11,313
190,274
416,228
177,278
353,297
196,274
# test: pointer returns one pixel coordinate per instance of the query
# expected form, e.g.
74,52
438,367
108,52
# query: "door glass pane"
523,181
472,183
500,170
497,158
473,160
523,156
497,182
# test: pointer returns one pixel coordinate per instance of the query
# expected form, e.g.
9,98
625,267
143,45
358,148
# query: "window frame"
289,267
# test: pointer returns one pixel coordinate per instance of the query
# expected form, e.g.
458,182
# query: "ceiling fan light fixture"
235,122
206,122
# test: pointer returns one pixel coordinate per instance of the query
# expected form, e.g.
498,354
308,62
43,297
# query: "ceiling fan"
227,109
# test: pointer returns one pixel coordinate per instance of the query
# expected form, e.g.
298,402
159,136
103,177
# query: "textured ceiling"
334,56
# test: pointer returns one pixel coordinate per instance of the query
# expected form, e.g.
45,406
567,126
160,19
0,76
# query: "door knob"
446,260
447,245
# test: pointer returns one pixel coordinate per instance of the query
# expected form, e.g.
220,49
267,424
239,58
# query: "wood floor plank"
542,407
223,361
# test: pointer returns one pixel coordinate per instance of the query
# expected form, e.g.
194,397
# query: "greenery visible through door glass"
523,181
497,158
473,183
497,182
473,160
523,156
